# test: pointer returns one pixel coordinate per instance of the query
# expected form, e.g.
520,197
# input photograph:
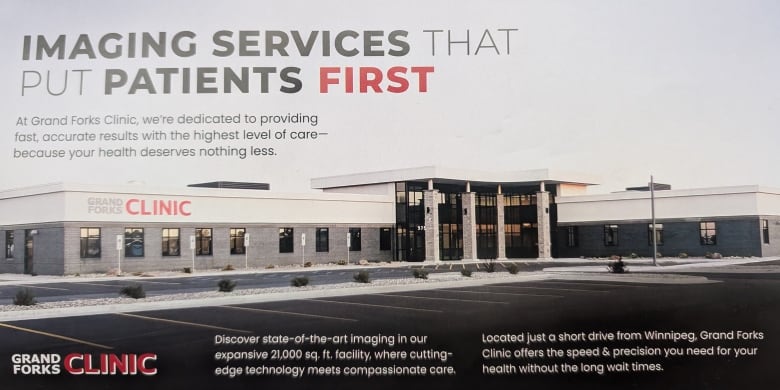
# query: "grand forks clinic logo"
84,364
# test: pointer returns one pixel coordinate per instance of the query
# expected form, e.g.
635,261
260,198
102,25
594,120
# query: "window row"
707,234
134,246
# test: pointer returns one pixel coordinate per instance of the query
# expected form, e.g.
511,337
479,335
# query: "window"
322,239
707,233
285,240
765,230
203,242
134,242
90,242
354,239
385,239
9,244
659,234
572,237
170,242
610,235
237,245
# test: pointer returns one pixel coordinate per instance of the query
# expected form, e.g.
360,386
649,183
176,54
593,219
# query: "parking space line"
288,313
195,324
374,305
98,284
595,284
440,299
44,288
551,288
150,282
56,336
498,293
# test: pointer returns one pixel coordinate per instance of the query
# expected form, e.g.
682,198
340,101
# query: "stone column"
431,202
543,224
468,199
501,233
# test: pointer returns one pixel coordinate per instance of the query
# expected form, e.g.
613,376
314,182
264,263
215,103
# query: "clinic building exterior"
418,214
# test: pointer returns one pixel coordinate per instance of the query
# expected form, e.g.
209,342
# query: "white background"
687,90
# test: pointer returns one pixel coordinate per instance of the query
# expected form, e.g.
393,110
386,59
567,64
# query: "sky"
686,90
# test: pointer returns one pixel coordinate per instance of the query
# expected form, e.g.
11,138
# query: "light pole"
652,214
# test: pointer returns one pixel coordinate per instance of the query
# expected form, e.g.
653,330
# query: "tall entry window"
90,242
410,221
487,226
520,225
450,226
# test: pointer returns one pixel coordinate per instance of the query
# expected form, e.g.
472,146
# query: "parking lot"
452,320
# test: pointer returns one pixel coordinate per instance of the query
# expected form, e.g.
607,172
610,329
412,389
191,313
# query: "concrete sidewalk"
635,265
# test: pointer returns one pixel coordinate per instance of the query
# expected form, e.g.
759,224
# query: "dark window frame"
659,228
286,240
611,235
572,237
322,239
237,239
354,239
171,244
132,240
90,242
765,231
708,233
385,239
9,244
204,244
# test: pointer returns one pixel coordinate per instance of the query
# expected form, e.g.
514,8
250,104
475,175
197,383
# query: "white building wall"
674,204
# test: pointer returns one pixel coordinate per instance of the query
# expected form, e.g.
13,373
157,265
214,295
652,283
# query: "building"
418,214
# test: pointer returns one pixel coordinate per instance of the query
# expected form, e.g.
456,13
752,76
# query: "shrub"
24,297
270,266
420,273
466,272
226,285
187,270
513,269
307,264
342,262
617,267
135,291
683,255
362,277
228,267
490,265
299,281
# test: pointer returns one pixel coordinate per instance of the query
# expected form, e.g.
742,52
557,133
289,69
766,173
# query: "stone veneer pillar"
501,231
431,202
543,224
468,200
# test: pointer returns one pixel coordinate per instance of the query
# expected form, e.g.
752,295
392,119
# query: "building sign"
139,206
